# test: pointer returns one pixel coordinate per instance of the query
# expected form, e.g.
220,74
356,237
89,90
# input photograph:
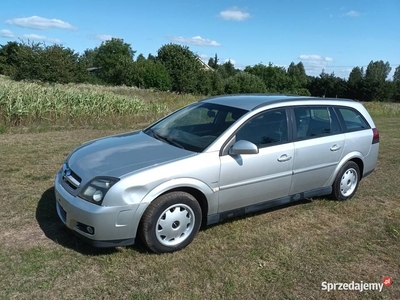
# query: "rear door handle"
284,157
335,147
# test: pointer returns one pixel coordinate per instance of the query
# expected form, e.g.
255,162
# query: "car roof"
253,101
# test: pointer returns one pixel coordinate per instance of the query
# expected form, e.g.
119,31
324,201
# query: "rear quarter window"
352,119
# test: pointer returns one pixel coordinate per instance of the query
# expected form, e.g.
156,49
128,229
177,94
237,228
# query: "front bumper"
100,226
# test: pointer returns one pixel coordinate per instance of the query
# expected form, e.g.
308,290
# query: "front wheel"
171,222
346,182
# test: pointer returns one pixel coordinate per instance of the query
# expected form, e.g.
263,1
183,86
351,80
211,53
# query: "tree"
9,58
21,60
182,66
36,61
275,78
151,74
244,83
60,65
88,58
115,58
204,82
396,75
396,84
326,85
227,70
355,83
151,57
140,57
298,76
213,62
217,83
375,87
377,71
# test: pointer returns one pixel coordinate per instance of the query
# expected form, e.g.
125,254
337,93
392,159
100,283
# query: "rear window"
352,119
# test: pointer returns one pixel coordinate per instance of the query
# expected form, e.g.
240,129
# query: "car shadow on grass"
55,230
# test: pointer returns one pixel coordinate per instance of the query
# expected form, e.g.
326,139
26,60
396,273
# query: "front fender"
210,194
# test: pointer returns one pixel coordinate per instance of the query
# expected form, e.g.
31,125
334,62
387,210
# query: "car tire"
170,222
346,182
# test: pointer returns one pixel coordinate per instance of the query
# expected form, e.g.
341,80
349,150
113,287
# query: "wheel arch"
356,157
204,194
360,165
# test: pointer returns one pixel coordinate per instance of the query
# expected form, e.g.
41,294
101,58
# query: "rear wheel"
346,182
171,222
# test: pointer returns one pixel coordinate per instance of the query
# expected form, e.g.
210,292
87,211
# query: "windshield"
196,126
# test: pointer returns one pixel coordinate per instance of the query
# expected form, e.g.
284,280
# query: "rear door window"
312,122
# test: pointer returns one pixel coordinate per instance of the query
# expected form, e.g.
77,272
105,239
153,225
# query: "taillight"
375,138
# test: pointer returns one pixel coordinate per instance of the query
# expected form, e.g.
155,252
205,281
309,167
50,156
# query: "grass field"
281,254
43,107
284,253
34,106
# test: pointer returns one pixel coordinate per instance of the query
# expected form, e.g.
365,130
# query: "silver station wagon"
214,159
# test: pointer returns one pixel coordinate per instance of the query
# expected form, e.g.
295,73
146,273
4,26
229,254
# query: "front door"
254,178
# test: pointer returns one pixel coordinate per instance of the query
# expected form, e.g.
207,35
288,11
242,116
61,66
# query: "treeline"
176,68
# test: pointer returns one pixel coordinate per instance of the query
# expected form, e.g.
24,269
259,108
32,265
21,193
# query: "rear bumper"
370,161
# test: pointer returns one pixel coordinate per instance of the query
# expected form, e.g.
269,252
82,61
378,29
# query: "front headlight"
96,190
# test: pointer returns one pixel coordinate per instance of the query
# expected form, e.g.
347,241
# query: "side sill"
368,173
216,218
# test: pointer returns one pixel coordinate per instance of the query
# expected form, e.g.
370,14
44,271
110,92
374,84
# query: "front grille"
70,180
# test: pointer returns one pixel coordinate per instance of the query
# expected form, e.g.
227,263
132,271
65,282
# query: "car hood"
121,154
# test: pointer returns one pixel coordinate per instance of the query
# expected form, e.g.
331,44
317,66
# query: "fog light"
90,230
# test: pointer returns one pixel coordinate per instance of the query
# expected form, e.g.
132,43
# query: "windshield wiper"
165,139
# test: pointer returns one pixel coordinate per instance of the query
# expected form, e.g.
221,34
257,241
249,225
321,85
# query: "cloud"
196,40
234,14
6,33
314,57
40,38
233,62
352,14
103,37
36,22
203,56
314,64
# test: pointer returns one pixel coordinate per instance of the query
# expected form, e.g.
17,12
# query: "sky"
324,34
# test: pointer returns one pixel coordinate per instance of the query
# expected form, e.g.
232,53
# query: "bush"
244,83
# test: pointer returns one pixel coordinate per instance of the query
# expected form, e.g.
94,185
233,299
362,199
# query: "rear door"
318,147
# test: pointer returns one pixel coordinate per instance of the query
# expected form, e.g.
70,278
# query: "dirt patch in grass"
24,237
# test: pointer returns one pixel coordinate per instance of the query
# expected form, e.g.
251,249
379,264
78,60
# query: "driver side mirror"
243,147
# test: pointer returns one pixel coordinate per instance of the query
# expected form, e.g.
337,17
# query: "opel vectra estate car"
211,160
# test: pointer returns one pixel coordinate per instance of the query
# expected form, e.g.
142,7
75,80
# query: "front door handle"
335,147
284,157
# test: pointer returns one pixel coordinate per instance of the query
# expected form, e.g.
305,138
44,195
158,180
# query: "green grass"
284,253
281,254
